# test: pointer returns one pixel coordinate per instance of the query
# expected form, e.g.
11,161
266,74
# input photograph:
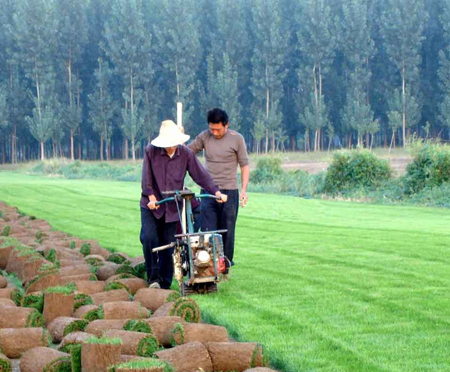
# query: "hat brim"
162,141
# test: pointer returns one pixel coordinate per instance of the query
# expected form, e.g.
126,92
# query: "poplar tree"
402,29
316,43
72,36
35,23
444,69
102,108
268,72
128,46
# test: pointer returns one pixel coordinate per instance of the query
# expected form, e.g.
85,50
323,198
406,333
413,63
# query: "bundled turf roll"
34,300
74,338
154,298
6,292
89,287
15,341
235,356
137,325
188,357
5,363
110,296
19,317
7,302
124,310
147,365
119,276
62,326
73,278
190,332
3,282
97,327
88,312
78,269
42,282
81,299
95,260
135,343
99,354
162,326
58,302
119,258
111,286
6,247
45,359
185,308
107,270
128,358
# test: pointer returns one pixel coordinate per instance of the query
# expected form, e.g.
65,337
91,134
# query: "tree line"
92,79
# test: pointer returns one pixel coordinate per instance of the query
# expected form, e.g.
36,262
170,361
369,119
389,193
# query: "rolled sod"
97,355
89,287
34,300
74,338
32,268
42,282
17,295
110,296
235,356
184,333
154,298
81,299
188,357
106,271
94,260
88,312
118,258
73,278
45,359
57,305
97,327
142,365
6,292
119,276
62,326
5,363
124,310
15,341
129,358
260,369
3,282
111,286
137,325
4,253
162,328
7,302
79,269
135,343
19,317
185,308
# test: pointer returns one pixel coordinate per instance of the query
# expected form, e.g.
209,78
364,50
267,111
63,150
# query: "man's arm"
147,183
245,177
197,144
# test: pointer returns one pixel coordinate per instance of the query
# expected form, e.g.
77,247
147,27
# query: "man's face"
218,130
170,150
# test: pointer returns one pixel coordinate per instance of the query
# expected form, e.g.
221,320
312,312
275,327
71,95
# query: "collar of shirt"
163,152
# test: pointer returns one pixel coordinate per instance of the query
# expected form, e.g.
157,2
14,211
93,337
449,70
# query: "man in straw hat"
164,169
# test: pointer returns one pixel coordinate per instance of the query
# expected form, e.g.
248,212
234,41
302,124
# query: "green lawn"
324,286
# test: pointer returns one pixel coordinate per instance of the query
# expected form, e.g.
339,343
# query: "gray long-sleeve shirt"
222,156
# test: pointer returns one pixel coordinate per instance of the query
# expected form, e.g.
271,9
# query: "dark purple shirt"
162,173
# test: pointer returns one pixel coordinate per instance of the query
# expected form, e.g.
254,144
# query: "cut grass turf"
324,286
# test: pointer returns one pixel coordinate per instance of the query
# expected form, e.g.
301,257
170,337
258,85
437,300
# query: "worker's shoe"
154,285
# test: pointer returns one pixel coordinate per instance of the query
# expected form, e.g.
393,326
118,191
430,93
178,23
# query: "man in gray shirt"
224,150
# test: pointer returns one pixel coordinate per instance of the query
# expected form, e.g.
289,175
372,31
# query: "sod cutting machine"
198,256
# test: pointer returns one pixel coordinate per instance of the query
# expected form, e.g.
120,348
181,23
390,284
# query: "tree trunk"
392,140
101,147
72,153
42,151
404,105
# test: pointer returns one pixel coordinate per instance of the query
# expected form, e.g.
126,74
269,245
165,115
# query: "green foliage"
35,319
50,255
76,325
85,249
267,169
137,325
430,168
115,285
67,290
5,364
75,353
125,269
355,169
6,230
117,258
147,346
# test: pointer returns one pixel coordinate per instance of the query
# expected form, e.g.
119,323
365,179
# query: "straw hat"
169,135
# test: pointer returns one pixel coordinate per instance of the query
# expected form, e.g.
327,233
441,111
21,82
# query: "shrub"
355,169
267,169
430,168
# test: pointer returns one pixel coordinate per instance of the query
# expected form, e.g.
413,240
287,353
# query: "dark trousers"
154,233
218,216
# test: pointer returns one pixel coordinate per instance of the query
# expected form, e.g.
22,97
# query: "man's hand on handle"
152,203
223,197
